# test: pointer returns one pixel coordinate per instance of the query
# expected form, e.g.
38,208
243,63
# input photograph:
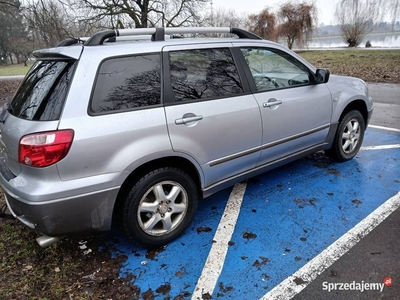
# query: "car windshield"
42,93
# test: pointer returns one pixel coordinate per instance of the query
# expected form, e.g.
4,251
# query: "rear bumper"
83,213
89,208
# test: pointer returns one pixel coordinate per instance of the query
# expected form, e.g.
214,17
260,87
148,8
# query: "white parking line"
216,258
287,289
384,128
381,147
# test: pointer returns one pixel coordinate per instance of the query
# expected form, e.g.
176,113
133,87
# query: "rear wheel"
349,136
159,207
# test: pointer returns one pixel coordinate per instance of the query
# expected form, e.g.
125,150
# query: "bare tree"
297,21
51,21
9,4
14,36
142,13
356,19
224,18
47,21
22,46
263,24
394,9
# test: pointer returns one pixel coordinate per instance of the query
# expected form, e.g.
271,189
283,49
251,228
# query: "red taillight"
45,148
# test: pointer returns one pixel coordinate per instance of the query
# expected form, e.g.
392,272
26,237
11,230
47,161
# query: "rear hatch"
38,103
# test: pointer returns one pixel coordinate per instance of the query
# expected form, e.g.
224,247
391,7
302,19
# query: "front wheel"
159,207
349,136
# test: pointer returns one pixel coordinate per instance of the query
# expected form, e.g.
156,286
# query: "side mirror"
322,75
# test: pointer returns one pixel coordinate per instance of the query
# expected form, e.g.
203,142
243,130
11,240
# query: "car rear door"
296,112
211,114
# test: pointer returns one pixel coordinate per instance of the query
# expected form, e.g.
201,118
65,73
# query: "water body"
381,40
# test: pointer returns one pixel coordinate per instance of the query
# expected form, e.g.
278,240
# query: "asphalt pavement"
12,77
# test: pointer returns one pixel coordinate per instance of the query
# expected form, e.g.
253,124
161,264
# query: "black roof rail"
244,34
70,42
99,37
158,34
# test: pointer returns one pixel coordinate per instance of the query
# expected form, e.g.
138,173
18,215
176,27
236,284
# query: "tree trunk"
352,43
290,41
144,19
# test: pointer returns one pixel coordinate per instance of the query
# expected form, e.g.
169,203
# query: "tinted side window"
125,83
42,94
203,73
273,69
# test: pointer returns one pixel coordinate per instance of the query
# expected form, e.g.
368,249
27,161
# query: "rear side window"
203,74
125,83
42,94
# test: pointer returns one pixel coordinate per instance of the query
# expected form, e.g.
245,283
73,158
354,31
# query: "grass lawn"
371,65
16,69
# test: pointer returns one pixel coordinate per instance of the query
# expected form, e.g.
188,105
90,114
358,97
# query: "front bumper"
89,208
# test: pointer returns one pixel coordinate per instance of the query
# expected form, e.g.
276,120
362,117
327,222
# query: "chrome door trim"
233,156
293,137
265,146
217,186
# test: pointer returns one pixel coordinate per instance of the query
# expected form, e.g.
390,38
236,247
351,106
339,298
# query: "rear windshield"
42,94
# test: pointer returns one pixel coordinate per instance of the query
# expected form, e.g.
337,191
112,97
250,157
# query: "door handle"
188,118
272,102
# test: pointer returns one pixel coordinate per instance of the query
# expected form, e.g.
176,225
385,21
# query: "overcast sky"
325,8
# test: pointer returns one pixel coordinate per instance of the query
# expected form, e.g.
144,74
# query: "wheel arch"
352,142
170,161
359,105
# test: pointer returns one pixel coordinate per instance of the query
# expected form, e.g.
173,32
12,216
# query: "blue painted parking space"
287,217
179,264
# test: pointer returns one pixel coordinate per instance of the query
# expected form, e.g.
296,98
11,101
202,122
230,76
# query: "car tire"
159,207
349,137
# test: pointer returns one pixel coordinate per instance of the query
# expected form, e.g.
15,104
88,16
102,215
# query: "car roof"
141,46
111,43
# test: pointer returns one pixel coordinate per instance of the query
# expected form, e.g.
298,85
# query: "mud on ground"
7,89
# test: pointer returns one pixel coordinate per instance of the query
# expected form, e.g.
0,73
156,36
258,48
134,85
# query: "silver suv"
136,125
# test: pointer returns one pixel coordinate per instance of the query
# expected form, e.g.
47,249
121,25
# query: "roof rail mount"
158,34
70,42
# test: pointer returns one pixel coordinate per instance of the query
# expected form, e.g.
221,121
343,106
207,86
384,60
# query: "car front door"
211,115
296,111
